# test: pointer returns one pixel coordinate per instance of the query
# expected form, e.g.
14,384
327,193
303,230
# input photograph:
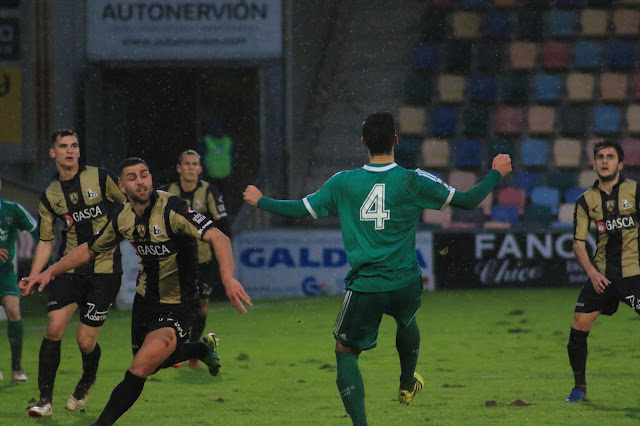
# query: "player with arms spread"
379,206
163,230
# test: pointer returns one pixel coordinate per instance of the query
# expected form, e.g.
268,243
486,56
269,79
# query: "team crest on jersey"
91,195
610,205
197,204
626,204
141,230
157,230
74,197
4,235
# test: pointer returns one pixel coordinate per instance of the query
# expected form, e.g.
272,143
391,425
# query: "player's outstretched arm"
78,256
292,208
222,248
473,197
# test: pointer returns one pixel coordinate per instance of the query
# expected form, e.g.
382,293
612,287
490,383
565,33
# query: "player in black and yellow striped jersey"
163,229
204,198
81,197
612,203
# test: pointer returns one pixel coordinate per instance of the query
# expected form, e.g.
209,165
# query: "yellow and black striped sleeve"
45,220
108,237
581,220
183,220
218,211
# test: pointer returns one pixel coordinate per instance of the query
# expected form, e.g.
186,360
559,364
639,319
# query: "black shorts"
146,318
210,284
626,290
94,295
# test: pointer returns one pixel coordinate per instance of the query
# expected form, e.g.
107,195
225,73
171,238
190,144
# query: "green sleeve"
471,198
292,208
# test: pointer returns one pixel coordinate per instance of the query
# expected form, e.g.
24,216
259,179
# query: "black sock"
49,360
577,348
16,357
191,350
122,398
197,328
90,363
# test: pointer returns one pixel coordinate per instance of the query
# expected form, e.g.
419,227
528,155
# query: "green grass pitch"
278,367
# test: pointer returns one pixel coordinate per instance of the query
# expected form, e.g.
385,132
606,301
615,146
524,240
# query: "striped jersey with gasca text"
83,204
164,238
616,219
207,200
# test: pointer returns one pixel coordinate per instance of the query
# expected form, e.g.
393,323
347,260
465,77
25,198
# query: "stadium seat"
533,152
458,54
606,120
527,180
465,25
490,58
573,120
475,121
515,89
530,25
635,86
510,196
547,88
444,121
621,54
562,23
580,87
500,146
593,23
539,214
451,88
433,25
508,120
522,55
541,119
406,153
633,119
562,179
626,22
573,193
555,55
546,196
435,153
588,148
494,224
613,86
474,4
437,218
487,204
411,120
567,152
631,148
462,180
586,178
502,213
426,56
565,214
505,4
474,215
482,88
587,54
468,153
417,89
496,25
571,4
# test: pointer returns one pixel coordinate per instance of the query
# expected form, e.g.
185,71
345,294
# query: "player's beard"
134,197
609,178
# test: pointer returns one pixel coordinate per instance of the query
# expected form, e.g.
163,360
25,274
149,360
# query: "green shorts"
359,318
9,284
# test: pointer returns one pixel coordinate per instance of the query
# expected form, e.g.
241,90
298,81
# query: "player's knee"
55,331
343,349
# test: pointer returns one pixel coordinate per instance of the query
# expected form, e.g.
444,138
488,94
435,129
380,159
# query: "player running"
379,206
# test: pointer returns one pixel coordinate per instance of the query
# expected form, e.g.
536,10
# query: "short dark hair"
188,152
58,134
131,161
378,132
607,143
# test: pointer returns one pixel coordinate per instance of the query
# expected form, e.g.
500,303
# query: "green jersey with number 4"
379,206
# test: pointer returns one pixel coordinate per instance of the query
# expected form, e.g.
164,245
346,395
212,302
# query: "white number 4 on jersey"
373,207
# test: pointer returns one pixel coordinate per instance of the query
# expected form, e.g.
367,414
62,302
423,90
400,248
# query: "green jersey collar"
379,167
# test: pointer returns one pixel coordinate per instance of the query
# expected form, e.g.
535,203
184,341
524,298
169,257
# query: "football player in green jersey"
379,206
13,218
